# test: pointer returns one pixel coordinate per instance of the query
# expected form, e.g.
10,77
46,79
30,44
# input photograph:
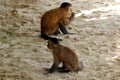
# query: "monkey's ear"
55,40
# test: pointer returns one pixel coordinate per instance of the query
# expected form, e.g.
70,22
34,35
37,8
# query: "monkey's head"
52,43
67,6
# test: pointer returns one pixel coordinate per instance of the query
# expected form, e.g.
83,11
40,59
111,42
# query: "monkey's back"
50,20
69,58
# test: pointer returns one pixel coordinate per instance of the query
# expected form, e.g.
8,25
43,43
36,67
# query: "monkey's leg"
57,32
64,71
61,68
46,37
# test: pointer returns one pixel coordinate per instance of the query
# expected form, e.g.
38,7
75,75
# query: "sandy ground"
23,55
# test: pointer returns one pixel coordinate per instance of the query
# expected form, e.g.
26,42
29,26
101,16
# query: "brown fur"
65,55
51,19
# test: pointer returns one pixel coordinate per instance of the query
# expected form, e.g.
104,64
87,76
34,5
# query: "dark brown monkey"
64,55
56,19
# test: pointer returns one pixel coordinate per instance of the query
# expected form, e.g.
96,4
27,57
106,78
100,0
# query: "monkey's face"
69,10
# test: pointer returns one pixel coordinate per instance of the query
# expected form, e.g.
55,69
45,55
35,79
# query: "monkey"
64,55
56,19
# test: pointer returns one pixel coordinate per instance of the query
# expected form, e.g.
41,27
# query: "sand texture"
24,55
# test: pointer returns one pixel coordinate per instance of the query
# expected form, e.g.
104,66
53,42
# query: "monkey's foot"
64,71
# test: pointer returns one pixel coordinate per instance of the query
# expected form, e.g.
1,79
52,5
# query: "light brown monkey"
64,55
56,19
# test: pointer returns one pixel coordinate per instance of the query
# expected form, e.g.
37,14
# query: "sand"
24,55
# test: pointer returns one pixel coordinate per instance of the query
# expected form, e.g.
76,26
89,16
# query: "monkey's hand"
72,16
71,33
48,71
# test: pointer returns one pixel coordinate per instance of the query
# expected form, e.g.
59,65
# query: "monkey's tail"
46,37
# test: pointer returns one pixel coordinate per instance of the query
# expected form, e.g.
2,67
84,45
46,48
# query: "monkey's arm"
67,20
55,65
63,29
72,16
53,68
